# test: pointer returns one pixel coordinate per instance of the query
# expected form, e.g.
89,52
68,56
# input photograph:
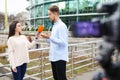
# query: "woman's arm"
11,53
30,44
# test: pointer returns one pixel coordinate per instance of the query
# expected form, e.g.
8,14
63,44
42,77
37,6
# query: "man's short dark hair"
54,9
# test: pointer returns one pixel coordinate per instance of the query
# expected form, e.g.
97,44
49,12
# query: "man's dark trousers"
59,70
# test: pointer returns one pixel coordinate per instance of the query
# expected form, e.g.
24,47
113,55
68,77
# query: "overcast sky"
14,6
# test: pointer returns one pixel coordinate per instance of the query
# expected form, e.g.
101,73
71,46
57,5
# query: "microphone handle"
37,35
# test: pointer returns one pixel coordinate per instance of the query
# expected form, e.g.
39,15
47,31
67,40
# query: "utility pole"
6,17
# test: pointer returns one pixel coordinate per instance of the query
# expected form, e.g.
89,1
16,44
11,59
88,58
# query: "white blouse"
18,50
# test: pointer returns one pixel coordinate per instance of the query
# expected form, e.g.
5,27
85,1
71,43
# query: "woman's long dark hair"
12,28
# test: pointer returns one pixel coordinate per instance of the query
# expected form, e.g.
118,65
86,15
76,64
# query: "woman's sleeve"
11,53
30,44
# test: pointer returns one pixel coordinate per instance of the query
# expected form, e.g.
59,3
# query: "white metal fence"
81,55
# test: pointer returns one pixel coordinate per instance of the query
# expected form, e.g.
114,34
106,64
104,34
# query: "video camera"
100,27
109,30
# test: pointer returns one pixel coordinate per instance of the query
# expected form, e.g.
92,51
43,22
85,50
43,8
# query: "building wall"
70,11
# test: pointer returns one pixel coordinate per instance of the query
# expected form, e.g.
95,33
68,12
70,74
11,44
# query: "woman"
18,46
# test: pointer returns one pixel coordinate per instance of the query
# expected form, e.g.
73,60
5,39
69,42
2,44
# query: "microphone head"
40,28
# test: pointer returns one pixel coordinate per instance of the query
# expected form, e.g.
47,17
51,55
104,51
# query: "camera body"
109,30
110,27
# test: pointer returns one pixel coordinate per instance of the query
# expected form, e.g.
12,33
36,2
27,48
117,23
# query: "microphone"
40,29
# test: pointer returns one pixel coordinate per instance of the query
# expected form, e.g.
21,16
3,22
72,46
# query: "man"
58,55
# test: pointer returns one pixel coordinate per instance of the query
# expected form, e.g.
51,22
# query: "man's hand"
47,36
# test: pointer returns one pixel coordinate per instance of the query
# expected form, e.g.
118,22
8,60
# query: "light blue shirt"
58,42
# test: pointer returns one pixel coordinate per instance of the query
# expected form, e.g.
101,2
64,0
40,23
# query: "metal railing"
81,56
3,39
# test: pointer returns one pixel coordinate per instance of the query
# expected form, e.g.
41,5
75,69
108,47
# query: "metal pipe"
6,16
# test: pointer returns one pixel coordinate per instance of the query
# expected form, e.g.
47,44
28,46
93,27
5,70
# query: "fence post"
42,65
72,61
93,55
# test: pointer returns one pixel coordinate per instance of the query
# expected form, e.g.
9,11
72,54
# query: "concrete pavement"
87,75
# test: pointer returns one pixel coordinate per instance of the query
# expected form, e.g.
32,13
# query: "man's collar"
57,21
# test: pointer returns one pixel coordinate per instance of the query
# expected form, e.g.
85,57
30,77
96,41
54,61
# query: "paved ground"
86,76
